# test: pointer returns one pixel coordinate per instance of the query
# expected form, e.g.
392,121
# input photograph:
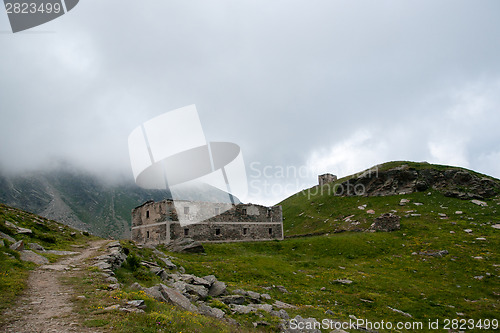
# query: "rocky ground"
46,304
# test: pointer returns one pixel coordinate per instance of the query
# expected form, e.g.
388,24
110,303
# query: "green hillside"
400,270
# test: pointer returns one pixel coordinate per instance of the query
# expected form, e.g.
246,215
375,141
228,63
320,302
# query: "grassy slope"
51,235
384,271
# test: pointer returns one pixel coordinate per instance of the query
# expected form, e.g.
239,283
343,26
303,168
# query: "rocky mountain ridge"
408,177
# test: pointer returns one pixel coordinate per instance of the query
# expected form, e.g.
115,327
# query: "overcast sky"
319,86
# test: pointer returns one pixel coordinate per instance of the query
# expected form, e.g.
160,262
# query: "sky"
303,87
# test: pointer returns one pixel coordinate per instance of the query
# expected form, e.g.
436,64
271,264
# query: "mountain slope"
84,201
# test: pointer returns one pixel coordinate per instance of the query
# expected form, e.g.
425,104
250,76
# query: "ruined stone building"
326,178
159,222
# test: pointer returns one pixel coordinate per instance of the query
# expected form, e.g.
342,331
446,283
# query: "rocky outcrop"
186,245
453,182
113,259
386,222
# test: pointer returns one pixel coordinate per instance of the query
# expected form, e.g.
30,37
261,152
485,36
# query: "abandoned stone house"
326,179
160,222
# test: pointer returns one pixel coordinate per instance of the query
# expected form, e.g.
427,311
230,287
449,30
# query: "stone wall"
159,222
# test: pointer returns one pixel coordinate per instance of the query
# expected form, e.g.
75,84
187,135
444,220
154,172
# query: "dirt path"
46,304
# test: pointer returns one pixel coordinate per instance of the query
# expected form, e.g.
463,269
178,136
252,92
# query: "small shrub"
46,238
133,262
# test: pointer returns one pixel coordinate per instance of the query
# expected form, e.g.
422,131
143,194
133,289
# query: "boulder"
210,279
136,286
17,246
241,309
233,299
253,295
7,237
169,264
342,281
266,307
186,245
281,314
176,298
197,290
180,286
211,312
36,247
218,288
27,255
136,303
201,282
386,222
156,293
479,203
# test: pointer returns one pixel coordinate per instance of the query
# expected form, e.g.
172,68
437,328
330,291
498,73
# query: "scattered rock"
260,323
481,238
27,255
442,215
386,222
342,281
418,204
496,226
169,264
197,290
17,246
459,212
281,313
282,289
265,296
218,288
441,253
370,211
211,312
2,243
403,202
176,298
7,237
253,295
265,307
401,312
114,286
36,247
468,231
233,299
136,303
186,245
17,229
362,207
241,309
111,279
136,286
283,305
156,293
112,307
479,203
210,279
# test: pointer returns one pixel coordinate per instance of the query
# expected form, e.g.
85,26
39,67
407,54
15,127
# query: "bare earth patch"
46,306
